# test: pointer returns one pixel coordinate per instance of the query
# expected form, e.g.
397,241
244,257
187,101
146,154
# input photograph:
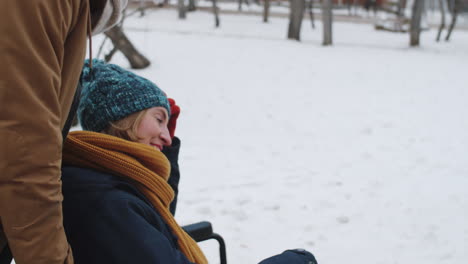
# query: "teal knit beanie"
110,93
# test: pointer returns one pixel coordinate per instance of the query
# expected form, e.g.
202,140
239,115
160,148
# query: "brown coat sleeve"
42,47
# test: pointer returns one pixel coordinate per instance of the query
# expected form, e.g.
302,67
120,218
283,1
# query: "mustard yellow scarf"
147,168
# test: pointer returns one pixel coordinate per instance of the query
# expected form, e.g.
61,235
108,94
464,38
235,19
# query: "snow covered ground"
356,152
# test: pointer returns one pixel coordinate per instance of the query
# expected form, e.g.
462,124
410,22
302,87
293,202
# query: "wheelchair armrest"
202,231
199,231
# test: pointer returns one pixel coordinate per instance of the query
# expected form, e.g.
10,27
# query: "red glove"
175,111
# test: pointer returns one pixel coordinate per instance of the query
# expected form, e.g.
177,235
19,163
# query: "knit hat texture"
110,93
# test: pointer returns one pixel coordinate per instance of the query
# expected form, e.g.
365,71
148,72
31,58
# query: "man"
42,48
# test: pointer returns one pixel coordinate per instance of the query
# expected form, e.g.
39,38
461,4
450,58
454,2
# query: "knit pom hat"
110,93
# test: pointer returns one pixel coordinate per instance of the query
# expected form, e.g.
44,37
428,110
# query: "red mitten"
175,111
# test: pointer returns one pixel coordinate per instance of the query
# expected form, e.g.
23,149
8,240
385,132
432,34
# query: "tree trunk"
455,10
141,8
442,19
181,9
240,4
348,5
192,6
415,28
216,13
296,13
311,13
122,43
266,10
327,16
400,7
355,4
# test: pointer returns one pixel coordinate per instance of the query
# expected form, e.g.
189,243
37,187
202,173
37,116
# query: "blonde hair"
126,127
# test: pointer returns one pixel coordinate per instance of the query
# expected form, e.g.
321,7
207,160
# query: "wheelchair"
200,231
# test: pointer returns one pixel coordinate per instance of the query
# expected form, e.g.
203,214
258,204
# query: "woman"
120,177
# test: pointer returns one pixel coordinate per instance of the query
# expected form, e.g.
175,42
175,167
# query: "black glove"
292,256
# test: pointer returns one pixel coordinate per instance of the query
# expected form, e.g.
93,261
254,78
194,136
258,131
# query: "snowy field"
356,152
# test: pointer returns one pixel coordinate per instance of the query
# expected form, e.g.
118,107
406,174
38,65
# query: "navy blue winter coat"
109,221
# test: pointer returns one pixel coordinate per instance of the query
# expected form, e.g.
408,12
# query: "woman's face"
152,129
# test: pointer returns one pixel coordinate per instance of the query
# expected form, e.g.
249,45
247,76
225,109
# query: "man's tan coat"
42,48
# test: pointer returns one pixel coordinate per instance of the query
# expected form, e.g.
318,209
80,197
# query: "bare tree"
191,5
415,28
348,5
296,13
181,8
240,4
401,20
123,44
442,19
216,13
456,6
327,16
400,7
266,10
311,13
352,6
368,5
142,8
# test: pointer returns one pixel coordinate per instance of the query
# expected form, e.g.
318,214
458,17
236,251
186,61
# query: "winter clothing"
42,47
107,216
292,256
147,168
175,111
111,93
